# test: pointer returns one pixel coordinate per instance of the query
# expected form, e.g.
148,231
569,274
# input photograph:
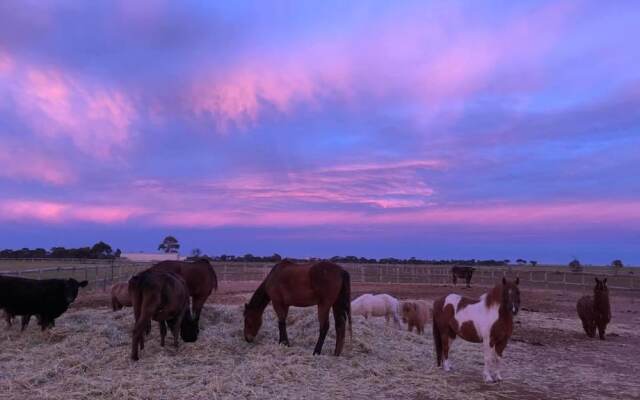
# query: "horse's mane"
260,298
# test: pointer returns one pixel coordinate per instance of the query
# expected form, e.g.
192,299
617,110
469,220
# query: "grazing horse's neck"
260,298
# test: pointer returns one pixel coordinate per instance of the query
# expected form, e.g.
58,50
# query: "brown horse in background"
324,284
595,311
200,278
162,297
120,296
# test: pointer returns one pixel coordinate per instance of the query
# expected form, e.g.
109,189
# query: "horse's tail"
437,335
344,300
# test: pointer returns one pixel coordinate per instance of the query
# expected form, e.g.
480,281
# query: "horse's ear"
504,280
597,280
604,281
517,281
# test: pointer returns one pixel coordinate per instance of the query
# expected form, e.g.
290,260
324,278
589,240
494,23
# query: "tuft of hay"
87,356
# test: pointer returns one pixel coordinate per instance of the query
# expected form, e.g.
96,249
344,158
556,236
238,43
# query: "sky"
433,129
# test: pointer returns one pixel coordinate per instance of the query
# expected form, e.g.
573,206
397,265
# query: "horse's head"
511,295
252,322
189,328
409,309
601,287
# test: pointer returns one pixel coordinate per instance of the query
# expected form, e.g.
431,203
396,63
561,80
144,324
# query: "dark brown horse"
488,320
595,311
463,273
200,278
324,284
162,297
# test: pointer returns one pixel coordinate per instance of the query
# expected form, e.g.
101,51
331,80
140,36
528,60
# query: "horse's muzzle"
249,338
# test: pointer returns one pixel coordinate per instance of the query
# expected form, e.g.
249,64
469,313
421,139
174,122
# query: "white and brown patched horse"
488,320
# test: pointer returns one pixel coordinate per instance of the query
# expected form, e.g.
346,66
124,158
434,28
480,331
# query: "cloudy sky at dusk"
441,129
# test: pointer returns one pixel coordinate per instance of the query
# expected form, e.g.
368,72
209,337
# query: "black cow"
47,299
463,273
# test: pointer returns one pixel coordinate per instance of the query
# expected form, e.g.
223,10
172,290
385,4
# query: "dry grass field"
87,356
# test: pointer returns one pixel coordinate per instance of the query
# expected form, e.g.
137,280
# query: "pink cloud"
557,216
442,63
32,164
61,213
59,105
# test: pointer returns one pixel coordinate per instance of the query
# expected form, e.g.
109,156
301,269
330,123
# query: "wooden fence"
102,273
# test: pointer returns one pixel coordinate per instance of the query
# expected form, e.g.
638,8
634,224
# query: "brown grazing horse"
163,297
488,320
200,278
595,311
324,284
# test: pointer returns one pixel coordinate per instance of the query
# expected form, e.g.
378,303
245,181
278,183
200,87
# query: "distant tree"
521,261
575,265
196,252
276,257
533,263
616,265
169,245
101,250
506,261
117,254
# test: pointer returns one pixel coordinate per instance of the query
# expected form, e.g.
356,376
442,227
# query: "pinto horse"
324,284
488,320
200,278
163,297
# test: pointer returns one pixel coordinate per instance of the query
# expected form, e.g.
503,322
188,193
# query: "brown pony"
200,278
488,320
595,311
120,296
415,314
324,284
163,297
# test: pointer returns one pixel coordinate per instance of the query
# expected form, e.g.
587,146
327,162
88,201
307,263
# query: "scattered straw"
87,356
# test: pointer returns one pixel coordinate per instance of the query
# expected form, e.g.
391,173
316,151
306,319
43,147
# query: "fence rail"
102,273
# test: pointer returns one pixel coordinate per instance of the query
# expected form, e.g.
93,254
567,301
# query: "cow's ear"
504,280
604,281
597,280
517,281
83,283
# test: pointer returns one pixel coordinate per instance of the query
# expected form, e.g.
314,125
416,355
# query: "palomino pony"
377,305
200,278
163,297
323,283
488,320
595,311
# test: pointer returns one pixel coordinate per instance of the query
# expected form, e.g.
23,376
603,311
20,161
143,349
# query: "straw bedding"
87,356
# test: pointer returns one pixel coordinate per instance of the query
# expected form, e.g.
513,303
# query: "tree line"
100,250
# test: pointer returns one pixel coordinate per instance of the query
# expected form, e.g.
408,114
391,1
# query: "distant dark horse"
200,278
163,297
595,311
463,273
488,320
324,284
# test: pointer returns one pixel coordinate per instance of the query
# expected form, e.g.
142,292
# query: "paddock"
549,356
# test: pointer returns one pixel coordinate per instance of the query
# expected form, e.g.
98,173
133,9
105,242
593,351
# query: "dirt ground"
549,357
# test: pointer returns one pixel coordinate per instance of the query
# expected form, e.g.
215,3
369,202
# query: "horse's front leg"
163,331
488,360
282,311
497,358
323,319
